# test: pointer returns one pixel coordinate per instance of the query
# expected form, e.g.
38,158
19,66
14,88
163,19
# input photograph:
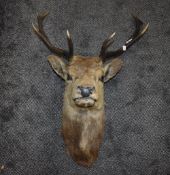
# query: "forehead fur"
82,64
86,61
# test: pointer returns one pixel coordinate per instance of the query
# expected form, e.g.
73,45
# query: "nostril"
91,89
79,88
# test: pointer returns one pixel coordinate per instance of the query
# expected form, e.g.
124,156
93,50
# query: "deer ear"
58,66
111,68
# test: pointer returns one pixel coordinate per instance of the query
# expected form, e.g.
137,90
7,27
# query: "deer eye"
69,78
101,78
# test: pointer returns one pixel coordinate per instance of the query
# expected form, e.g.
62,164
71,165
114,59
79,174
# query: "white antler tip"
128,41
112,35
68,33
35,28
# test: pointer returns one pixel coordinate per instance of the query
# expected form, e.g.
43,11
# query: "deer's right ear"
58,66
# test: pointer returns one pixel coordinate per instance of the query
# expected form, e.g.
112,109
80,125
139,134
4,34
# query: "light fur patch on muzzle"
84,102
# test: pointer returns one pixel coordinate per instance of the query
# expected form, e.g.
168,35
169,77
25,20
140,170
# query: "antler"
141,28
39,31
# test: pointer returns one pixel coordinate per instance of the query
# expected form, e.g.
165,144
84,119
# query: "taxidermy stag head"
83,110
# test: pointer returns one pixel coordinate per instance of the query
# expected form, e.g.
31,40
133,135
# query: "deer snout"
86,91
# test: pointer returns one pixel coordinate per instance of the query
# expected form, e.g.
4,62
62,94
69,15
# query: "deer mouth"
84,101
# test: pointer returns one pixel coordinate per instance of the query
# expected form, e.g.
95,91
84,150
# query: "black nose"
86,91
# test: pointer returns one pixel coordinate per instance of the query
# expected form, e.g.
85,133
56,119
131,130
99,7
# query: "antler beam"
39,31
141,28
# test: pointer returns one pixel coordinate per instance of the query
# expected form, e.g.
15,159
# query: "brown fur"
83,127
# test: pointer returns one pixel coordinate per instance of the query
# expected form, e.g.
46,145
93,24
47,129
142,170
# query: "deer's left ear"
112,68
58,65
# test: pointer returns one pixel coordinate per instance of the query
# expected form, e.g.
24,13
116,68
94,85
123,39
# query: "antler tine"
39,31
40,19
107,42
140,30
70,44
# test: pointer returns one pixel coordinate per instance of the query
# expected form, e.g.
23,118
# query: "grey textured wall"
137,133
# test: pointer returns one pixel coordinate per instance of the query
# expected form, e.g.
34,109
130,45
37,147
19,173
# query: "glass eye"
101,78
69,78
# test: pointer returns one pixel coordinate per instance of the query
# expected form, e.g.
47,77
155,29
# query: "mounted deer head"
83,109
